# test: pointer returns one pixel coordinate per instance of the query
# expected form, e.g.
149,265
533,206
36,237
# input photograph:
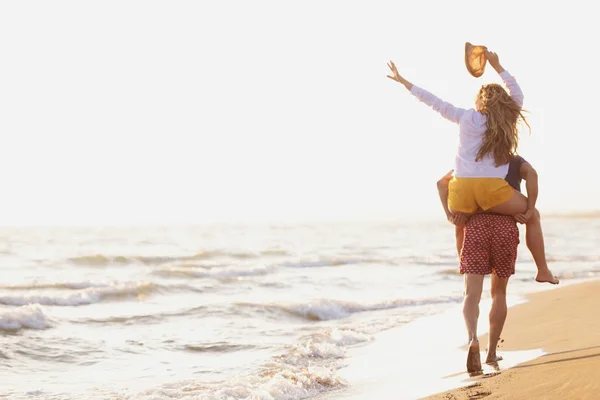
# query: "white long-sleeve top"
472,127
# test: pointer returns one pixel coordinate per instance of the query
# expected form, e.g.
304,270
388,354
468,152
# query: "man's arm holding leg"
442,187
530,176
459,219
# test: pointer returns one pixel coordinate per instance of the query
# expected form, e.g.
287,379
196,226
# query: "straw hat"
475,59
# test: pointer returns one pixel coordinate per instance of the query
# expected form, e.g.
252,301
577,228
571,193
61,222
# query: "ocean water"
229,311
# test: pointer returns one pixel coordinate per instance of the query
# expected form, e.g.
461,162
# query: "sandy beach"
563,322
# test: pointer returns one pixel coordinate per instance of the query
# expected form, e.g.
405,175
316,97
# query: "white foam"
288,383
324,309
321,350
328,309
309,368
349,337
30,316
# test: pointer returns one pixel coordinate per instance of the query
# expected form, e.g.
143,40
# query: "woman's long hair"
501,138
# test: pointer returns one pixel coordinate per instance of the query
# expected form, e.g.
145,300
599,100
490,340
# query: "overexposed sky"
190,111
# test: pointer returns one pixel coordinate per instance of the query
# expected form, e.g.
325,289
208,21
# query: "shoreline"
418,359
425,359
564,323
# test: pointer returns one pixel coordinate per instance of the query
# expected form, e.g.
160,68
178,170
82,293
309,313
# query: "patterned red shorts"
490,245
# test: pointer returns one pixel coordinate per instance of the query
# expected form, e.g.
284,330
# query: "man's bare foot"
492,358
474,357
546,277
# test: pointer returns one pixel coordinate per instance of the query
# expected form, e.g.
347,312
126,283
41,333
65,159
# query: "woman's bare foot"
545,276
474,357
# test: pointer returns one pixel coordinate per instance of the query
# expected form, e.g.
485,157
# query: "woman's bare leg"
534,236
515,205
535,242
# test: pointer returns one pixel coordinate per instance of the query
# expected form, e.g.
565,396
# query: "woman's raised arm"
445,109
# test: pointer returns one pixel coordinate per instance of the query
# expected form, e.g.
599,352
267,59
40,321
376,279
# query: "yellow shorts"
467,195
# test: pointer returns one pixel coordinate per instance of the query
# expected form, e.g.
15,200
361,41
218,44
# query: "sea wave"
122,320
333,261
213,273
450,272
101,260
432,260
328,309
26,317
53,285
227,272
87,295
574,258
146,318
306,369
209,258
218,347
591,273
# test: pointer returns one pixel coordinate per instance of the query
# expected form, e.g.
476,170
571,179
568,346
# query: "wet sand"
564,323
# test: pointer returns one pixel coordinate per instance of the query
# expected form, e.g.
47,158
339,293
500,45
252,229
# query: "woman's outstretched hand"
397,77
494,60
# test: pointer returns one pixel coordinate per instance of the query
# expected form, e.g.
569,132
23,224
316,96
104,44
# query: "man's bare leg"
473,289
535,242
498,313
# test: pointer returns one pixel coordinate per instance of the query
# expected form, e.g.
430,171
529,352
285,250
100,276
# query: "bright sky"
190,111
